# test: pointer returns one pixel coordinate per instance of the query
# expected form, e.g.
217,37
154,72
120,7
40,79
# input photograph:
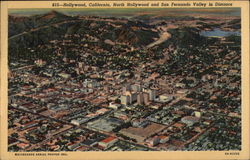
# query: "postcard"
116,80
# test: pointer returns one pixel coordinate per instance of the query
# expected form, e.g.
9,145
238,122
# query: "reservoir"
219,33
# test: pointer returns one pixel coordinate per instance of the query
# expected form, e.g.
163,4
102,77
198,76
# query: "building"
136,88
190,120
79,121
128,93
142,133
163,139
106,124
102,111
140,123
114,105
74,146
197,114
126,88
64,75
80,64
154,141
108,142
40,62
90,83
121,115
140,99
132,95
152,94
125,100
165,98
146,98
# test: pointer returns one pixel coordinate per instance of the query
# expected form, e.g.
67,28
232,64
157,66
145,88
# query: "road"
163,37
25,67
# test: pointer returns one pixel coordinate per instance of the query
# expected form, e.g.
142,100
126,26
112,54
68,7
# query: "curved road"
163,37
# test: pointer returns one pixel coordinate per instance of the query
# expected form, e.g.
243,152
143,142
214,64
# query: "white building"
125,100
114,105
165,98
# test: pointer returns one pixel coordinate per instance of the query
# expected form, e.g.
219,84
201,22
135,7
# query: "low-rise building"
108,142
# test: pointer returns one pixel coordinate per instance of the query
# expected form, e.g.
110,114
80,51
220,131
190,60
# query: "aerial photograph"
127,79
